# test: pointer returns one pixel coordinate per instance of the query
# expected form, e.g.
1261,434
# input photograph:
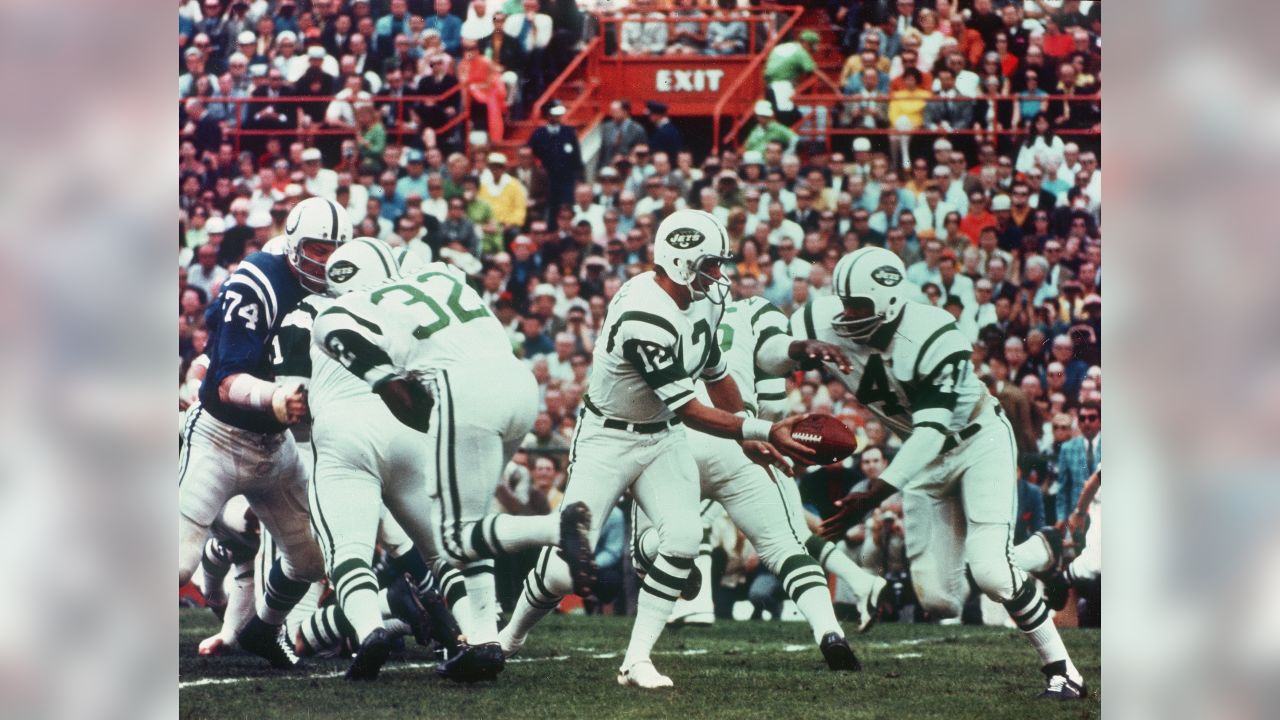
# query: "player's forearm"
246,391
712,421
917,452
725,395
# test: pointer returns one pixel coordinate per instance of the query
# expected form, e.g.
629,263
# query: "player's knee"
940,603
679,540
995,578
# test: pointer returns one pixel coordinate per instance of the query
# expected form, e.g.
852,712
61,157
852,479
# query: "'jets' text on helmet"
870,277
361,264
688,243
314,221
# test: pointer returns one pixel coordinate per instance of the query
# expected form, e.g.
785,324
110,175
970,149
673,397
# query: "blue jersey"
242,321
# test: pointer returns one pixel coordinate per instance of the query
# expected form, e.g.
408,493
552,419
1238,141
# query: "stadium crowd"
1000,228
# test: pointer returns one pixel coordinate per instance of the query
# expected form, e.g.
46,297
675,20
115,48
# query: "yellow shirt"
507,198
909,104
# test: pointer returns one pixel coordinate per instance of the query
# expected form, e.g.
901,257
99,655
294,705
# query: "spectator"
457,231
664,137
687,38
644,32
1078,458
319,181
483,82
906,112
546,482
619,134
441,106
556,146
534,179
503,193
787,64
532,32
768,129
449,26
726,35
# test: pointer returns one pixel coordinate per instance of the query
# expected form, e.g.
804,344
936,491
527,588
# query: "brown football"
829,437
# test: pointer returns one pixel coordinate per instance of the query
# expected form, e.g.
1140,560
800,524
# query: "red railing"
401,127
586,55
753,71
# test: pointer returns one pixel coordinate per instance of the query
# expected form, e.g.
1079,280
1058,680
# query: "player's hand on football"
289,406
766,455
812,354
850,511
780,438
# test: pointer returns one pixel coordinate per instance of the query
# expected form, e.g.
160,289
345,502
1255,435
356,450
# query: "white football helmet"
314,221
868,278
361,264
687,243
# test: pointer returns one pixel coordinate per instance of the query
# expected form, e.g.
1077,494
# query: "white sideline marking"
400,667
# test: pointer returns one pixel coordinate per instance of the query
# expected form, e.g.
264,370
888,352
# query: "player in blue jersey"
235,439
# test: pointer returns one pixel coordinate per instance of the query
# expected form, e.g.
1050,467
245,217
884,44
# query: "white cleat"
870,609
643,674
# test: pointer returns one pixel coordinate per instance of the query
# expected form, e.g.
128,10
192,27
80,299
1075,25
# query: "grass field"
733,670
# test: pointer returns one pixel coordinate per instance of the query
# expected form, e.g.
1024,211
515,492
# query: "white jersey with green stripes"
328,382
650,352
411,327
747,325
914,372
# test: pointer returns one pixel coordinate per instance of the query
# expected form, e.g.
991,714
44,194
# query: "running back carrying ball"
829,437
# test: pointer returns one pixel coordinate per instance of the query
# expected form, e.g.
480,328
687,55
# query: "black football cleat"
444,626
1053,538
370,656
1059,686
1056,589
473,663
839,655
576,547
693,585
269,642
402,598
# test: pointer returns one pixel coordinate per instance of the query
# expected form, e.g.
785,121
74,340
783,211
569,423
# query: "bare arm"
725,394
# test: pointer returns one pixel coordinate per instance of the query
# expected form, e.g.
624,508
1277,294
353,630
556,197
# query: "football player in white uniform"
442,364
956,469
768,509
360,456
235,439
659,335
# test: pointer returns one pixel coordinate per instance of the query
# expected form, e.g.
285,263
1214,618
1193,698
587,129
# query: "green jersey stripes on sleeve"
943,388
355,342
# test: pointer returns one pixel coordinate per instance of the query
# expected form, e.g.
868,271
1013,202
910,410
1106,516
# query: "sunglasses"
1061,427
1088,418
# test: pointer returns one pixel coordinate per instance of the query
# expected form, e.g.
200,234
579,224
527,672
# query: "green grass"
734,670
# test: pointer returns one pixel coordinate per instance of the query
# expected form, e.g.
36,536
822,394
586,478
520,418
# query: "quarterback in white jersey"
658,337
957,465
441,362
766,510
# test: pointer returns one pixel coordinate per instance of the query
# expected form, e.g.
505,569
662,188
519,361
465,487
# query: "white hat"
999,202
942,144
556,111
544,289
497,158
245,37
942,171
215,226
310,154
861,145
316,52
289,35
191,52
752,157
259,219
764,107
608,171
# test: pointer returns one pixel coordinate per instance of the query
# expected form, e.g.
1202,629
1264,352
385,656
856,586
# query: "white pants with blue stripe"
219,461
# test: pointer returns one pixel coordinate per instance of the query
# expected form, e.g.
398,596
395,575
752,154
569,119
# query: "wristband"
756,429
252,393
